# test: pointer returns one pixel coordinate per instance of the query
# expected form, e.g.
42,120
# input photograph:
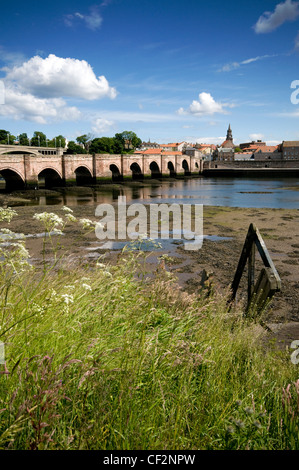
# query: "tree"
102,145
39,139
11,139
238,150
58,141
74,148
3,136
128,140
85,140
23,139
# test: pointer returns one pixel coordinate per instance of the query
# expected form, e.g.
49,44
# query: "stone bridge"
35,170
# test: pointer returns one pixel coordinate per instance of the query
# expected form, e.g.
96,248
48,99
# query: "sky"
168,70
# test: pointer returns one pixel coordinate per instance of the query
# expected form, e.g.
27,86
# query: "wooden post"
251,262
268,282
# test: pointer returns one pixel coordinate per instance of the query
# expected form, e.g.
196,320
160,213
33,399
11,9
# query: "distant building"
226,151
252,145
290,149
193,152
149,145
268,152
175,146
206,149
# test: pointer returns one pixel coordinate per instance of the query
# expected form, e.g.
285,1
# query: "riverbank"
225,230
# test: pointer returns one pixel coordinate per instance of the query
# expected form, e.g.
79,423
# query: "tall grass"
101,358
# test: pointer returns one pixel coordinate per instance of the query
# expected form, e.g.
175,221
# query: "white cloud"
269,21
210,140
36,89
93,20
101,125
206,105
235,65
56,76
19,105
256,136
135,116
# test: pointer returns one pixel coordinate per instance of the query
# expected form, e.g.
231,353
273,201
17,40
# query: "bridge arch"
13,179
171,169
116,174
49,178
136,171
185,166
83,176
155,170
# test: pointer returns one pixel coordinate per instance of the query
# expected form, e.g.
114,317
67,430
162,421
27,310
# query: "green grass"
106,358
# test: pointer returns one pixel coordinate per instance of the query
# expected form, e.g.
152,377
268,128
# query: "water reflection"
232,192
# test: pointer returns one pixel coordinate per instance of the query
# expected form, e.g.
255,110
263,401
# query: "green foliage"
126,142
39,139
74,148
58,141
85,140
6,137
3,136
23,139
103,145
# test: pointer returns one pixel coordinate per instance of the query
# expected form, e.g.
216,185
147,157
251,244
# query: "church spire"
229,135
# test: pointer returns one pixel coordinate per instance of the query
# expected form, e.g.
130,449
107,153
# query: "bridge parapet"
4,149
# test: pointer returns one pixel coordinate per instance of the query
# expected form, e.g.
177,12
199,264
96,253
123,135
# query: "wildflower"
7,214
67,209
56,231
8,234
70,218
86,223
248,410
101,265
69,299
49,219
238,403
86,287
107,273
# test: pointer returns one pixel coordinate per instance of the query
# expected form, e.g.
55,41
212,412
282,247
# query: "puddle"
18,236
148,244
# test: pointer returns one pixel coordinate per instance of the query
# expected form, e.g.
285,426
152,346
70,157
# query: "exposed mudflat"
278,227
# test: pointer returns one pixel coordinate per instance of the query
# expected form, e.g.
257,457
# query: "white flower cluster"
50,220
86,287
68,299
15,258
7,214
86,223
69,214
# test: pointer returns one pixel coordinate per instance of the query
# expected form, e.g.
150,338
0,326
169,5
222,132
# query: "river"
251,192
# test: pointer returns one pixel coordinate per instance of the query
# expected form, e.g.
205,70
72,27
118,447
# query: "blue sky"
170,71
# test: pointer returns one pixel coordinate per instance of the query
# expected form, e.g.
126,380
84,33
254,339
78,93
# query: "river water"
231,192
